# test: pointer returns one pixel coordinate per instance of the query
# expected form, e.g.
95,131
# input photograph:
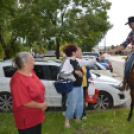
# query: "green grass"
98,122
124,57
53,58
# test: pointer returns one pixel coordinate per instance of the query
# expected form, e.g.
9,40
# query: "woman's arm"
88,62
79,73
38,105
84,62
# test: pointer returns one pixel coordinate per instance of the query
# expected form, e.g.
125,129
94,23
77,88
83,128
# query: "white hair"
20,59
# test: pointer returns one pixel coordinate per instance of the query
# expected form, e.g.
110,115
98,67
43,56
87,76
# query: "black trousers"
32,130
84,94
64,98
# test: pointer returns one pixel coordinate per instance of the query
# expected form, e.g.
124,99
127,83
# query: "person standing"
28,102
64,97
85,83
5,57
130,39
39,55
75,96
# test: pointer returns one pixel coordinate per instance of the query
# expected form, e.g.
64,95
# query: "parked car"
109,95
108,62
106,66
91,54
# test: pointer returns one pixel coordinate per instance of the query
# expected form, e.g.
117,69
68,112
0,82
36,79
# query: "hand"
111,52
101,57
91,78
79,73
44,106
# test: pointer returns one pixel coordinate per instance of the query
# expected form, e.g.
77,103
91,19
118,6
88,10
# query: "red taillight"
106,66
109,64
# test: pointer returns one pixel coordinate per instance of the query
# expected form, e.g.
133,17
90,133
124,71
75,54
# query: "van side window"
9,71
54,70
39,71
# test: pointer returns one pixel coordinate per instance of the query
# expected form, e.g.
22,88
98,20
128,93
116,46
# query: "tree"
9,41
48,24
112,47
52,22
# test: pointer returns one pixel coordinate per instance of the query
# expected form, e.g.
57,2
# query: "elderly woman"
28,102
75,96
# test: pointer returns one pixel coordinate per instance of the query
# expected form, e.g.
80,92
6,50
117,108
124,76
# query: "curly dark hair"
69,49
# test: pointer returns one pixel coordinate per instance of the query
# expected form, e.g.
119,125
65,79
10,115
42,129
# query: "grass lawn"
53,58
98,122
124,57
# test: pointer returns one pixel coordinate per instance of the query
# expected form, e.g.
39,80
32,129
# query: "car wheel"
5,102
104,102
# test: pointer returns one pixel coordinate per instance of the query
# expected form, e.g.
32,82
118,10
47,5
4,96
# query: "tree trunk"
1,39
57,50
7,53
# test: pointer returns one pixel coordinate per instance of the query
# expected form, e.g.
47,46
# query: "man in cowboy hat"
130,39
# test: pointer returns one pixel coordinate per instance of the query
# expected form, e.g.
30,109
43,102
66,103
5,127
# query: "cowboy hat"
130,19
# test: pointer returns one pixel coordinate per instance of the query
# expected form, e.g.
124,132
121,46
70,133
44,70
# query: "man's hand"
79,73
111,52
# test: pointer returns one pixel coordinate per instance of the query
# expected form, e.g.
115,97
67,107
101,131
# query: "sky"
118,16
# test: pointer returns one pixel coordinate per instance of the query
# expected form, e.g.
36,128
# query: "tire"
104,102
5,102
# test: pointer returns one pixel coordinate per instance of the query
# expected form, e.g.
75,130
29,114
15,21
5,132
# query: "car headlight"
114,85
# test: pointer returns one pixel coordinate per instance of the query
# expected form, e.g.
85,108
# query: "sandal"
67,125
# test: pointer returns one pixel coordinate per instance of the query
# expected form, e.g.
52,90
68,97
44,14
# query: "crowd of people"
28,102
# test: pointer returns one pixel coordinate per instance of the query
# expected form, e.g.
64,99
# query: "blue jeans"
128,64
75,103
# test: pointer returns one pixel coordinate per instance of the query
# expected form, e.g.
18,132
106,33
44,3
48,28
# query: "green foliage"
1,52
47,24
